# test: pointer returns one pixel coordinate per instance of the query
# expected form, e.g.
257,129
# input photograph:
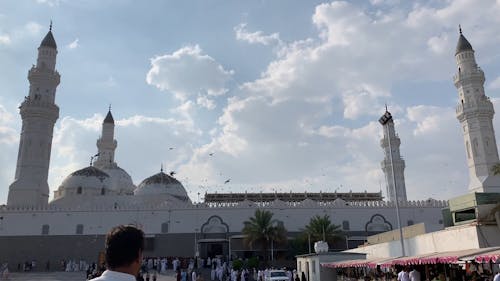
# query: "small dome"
109,118
463,44
87,181
162,183
120,180
49,41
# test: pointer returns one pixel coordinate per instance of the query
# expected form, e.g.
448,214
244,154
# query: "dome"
88,181
109,118
120,180
162,183
49,41
463,44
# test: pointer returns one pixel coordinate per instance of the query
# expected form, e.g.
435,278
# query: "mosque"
90,201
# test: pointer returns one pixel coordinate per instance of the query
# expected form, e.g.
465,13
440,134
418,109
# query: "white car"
276,275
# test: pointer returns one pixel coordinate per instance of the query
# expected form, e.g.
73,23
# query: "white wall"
450,239
186,220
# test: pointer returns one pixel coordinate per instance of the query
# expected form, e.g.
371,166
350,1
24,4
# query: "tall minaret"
106,145
475,113
39,114
399,163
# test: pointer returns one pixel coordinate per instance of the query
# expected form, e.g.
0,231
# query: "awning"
412,260
480,255
370,263
486,257
447,257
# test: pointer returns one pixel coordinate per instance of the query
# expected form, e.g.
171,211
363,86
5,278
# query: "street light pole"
384,120
309,241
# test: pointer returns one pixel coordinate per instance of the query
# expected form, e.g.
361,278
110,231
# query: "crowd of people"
123,260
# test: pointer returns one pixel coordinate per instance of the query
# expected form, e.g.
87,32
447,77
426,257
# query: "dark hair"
123,245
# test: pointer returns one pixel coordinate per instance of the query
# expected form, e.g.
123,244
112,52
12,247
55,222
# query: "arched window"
45,229
467,145
103,191
345,225
79,229
475,146
164,227
79,190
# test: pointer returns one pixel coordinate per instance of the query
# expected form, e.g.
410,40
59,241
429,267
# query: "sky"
275,95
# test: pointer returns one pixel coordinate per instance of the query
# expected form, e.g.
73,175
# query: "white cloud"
495,84
205,102
384,2
8,134
50,3
257,37
288,126
74,143
74,44
188,72
363,100
440,44
5,39
33,28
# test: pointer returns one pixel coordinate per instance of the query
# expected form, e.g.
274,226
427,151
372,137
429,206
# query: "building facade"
393,162
475,113
95,198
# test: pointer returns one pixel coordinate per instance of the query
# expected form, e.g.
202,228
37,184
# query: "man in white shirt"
123,251
403,275
414,275
497,277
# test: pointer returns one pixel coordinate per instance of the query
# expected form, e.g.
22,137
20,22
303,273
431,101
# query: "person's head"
124,246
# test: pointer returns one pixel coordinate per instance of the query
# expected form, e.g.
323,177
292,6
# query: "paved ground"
66,276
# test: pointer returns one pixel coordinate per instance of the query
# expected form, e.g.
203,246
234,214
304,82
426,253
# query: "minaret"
399,163
106,145
475,113
39,114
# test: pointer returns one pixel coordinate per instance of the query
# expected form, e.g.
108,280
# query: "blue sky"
285,94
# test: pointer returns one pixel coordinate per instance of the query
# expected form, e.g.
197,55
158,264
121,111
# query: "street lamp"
384,120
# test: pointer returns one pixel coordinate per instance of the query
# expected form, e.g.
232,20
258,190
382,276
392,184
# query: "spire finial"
460,29
50,26
109,108
161,169
386,108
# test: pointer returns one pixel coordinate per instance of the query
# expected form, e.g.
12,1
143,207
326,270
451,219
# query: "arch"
45,229
164,227
79,229
103,191
475,146
215,224
467,146
345,225
378,223
79,190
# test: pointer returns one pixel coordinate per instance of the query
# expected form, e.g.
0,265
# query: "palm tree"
322,229
496,169
496,210
262,230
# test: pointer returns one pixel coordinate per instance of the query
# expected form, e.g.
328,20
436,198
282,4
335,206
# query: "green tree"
261,230
496,169
320,228
496,210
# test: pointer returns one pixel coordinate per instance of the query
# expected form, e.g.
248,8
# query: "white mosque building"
90,201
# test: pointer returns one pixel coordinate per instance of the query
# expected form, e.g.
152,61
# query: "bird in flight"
172,173
170,148
227,181
211,154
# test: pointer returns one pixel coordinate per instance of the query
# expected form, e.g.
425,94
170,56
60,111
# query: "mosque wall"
191,220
